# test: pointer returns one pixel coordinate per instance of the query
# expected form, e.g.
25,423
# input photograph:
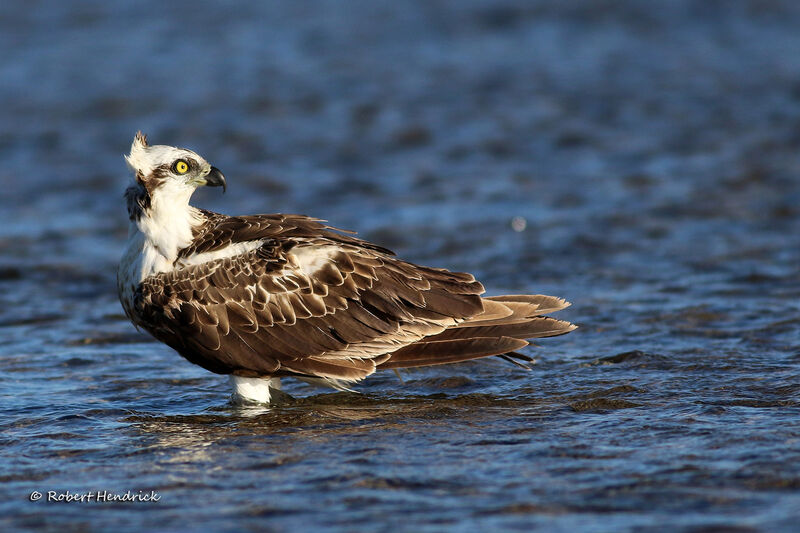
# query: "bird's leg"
253,390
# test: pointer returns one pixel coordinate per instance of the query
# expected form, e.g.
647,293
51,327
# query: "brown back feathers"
307,300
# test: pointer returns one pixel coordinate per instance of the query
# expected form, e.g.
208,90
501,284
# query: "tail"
503,327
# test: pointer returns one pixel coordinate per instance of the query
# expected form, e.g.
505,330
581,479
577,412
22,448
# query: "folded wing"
306,301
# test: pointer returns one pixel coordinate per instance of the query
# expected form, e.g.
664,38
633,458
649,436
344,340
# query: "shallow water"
651,151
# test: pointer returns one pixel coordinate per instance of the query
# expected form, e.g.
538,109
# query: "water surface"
651,150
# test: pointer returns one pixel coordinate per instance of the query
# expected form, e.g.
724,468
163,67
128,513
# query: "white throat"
155,239
167,225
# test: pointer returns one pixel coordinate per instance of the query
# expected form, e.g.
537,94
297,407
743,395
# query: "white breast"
153,245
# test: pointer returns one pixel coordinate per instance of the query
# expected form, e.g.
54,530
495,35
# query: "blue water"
651,150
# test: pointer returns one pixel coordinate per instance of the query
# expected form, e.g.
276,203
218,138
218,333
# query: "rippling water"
651,150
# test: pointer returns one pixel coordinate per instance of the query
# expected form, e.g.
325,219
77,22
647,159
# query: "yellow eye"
181,167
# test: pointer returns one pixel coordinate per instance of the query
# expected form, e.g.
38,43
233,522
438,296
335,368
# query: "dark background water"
651,148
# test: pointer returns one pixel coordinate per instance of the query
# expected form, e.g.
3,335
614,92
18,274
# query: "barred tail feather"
503,328
451,351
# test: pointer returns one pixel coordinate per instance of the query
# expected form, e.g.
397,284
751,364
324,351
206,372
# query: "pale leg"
253,389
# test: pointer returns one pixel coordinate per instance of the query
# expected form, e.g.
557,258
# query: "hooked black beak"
214,178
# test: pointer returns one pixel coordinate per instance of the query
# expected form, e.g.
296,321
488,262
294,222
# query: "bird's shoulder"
244,258
270,253
218,232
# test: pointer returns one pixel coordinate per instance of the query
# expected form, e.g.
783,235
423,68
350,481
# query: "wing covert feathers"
306,300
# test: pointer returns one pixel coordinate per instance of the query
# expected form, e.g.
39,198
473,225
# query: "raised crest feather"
137,156
140,139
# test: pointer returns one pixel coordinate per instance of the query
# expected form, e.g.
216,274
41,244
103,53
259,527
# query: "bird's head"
170,172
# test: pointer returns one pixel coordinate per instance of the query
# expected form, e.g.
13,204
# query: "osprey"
262,297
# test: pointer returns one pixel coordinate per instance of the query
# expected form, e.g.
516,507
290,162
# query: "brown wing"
220,231
322,307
